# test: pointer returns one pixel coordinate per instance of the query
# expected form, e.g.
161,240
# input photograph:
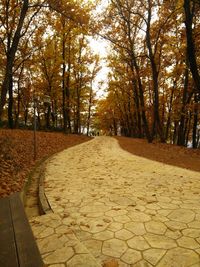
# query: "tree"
192,9
16,20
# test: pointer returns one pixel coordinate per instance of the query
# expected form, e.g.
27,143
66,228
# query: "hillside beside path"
170,154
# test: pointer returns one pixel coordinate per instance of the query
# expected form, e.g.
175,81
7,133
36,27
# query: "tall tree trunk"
6,85
189,8
157,122
142,102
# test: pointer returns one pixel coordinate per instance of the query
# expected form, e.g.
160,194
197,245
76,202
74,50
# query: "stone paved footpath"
109,204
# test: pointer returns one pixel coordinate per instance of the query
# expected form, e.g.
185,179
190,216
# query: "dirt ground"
170,154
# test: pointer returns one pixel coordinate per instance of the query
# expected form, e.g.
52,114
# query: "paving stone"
159,241
137,216
94,215
46,232
94,246
173,234
150,212
142,263
123,234
179,257
191,232
62,229
135,227
153,206
83,235
131,256
94,226
182,215
124,201
50,243
115,226
137,208
194,224
188,242
198,251
160,218
163,199
36,227
79,248
105,235
169,206
122,219
116,212
94,208
153,255
155,227
82,260
138,242
114,247
164,212
60,255
172,225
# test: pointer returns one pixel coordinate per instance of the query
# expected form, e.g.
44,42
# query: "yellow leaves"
70,10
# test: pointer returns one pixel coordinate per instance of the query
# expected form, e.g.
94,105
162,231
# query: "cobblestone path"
109,204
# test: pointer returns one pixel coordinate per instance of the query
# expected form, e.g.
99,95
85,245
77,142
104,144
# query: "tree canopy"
153,85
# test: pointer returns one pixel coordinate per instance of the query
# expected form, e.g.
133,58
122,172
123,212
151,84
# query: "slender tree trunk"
181,131
64,81
188,128
195,122
10,105
89,109
169,114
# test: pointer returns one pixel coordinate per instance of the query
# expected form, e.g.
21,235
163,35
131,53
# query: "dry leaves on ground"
16,154
170,154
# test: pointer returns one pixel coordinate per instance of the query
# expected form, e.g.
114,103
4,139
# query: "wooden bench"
17,244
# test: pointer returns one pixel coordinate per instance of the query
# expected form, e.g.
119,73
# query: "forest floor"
16,154
121,207
169,154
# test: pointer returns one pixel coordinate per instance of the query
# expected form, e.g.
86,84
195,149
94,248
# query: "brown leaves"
16,154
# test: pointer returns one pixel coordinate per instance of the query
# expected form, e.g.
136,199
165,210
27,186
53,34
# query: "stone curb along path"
119,206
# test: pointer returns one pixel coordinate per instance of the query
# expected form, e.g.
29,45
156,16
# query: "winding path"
110,204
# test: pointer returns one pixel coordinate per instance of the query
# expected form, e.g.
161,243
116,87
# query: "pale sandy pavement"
140,212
